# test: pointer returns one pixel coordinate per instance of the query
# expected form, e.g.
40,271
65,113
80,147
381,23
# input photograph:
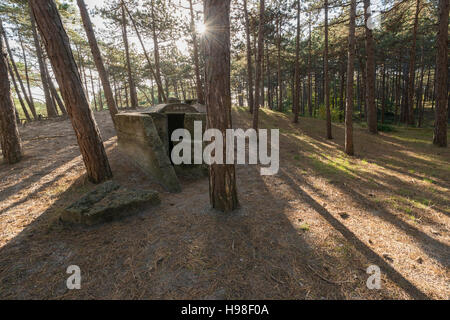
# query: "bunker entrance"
174,121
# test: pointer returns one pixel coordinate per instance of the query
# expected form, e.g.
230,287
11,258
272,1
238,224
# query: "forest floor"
309,232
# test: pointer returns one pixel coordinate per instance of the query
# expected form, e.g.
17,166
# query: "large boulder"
108,202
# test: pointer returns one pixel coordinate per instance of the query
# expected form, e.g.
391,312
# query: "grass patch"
304,227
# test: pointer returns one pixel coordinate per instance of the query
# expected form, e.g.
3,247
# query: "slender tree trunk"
9,133
93,89
249,60
200,95
103,74
156,53
297,66
158,82
370,72
259,56
280,79
13,63
326,80
383,93
309,68
56,96
30,95
100,98
64,66
127,103
222,177
133,94
420,91
440,130
349,148
363,85
412,68
341,94
51,109
19,96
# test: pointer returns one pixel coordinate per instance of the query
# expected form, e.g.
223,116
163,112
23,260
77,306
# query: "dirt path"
309,232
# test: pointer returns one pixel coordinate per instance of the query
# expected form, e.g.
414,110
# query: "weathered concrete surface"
108,202
173,108
201,108
140,140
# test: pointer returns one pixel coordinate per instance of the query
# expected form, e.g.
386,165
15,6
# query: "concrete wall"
139,139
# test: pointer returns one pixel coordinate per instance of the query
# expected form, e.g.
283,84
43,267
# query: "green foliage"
336,114
385,128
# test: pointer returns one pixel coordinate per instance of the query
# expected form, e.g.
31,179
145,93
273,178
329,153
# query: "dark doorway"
175,121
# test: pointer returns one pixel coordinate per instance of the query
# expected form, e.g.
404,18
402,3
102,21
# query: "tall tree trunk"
326,80
9,133
103,74
383,93
349,148
19,96
51,109
440,130
93,89
370,72
249,60
222,177
342,90
158,79
269,82
280,79
100,98
420,90
30,95
56,96
259,56
297,66
13,63
200,95
412,68
309,68
64,66
133,94
127,103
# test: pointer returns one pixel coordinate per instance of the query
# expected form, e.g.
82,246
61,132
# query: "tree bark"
156,53
103,74
56,96
259,69
297,66
30,95
222,177
280,79
326,80
249,60
412,68
51,109
349,147
440,130
16,72
9,133
57,45
200,94
158,82
19,96
133,94
310,111
370,73
93,89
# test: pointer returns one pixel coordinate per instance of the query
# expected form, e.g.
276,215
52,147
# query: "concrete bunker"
145,138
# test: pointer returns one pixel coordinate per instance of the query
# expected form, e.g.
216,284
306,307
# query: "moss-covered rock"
108,202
